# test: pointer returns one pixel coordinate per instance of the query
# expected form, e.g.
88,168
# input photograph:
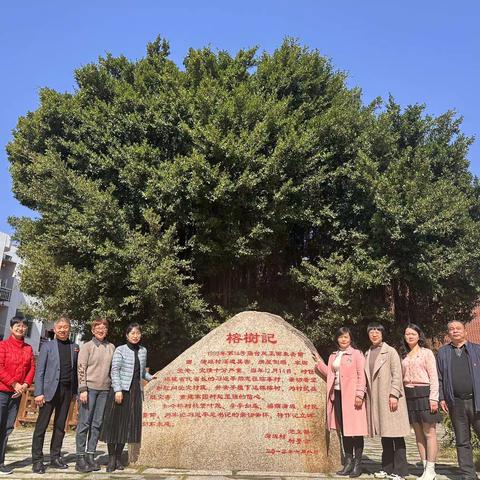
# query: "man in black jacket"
459,376
55,385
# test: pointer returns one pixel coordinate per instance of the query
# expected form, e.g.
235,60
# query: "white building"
12,300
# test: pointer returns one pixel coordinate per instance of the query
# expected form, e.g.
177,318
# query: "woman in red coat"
345,394
17,369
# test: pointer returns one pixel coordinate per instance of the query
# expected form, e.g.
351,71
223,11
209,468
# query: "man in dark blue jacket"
459,375
56,383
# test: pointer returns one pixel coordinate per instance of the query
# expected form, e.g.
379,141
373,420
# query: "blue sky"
419,51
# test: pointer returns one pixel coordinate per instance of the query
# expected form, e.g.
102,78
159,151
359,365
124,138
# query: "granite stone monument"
245,397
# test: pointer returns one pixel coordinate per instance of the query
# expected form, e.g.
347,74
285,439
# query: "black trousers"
349,443
464,417
8,415
394,456
60,403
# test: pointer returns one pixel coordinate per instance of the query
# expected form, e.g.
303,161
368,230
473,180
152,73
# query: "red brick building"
473,327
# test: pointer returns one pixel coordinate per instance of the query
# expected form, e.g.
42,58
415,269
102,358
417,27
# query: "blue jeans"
8,414
90,418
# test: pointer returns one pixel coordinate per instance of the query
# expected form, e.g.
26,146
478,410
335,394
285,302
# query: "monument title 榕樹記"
245,397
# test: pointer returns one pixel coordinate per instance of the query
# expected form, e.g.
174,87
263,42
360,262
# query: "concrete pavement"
19,458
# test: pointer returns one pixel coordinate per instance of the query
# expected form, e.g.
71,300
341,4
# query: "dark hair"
422,340
456,321
63,318
131,326
100,321
379,327
344,331
17,319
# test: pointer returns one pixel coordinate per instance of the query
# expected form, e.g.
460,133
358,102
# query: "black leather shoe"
118,457
81,465
111,463
58,463
90,459
38,467
118,464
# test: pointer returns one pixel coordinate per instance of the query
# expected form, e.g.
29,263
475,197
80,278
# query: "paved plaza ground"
19,458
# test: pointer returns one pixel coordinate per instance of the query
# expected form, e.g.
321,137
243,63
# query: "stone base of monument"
245,397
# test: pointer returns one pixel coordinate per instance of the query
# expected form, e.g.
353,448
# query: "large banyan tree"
177,197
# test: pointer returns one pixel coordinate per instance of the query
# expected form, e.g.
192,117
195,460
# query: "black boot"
57,462
81,465
38,467
90,459
111,457
118,455
347,466
357,467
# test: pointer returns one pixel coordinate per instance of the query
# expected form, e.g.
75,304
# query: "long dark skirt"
418,405
123,423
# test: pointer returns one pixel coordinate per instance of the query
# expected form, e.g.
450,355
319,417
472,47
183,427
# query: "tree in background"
413,251
177,198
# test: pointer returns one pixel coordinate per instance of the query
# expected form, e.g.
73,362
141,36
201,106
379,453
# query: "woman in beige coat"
386,405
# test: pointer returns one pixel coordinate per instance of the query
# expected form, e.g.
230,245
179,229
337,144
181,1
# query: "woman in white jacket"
123,414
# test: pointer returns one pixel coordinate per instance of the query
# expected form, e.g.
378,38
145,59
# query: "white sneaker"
380,474
422,476
429,473
394,476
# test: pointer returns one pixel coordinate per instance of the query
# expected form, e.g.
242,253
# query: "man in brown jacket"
94,362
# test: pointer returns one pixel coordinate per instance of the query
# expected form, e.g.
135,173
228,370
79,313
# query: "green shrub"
448,439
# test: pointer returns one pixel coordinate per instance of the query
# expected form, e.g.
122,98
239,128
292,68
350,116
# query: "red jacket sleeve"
31,371
5,376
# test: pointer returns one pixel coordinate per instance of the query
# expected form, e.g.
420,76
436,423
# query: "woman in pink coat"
345,394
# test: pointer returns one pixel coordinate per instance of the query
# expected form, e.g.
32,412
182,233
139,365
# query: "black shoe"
5,470
118,456
38,467
347,467
81,465
118,463
90,459
111,463
57,462
357,469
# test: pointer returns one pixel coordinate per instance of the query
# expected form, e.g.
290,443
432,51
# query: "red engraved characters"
251,337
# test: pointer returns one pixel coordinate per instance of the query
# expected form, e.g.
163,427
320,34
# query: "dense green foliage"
179,197
448,438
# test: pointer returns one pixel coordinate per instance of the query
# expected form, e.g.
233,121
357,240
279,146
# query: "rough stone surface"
245,397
